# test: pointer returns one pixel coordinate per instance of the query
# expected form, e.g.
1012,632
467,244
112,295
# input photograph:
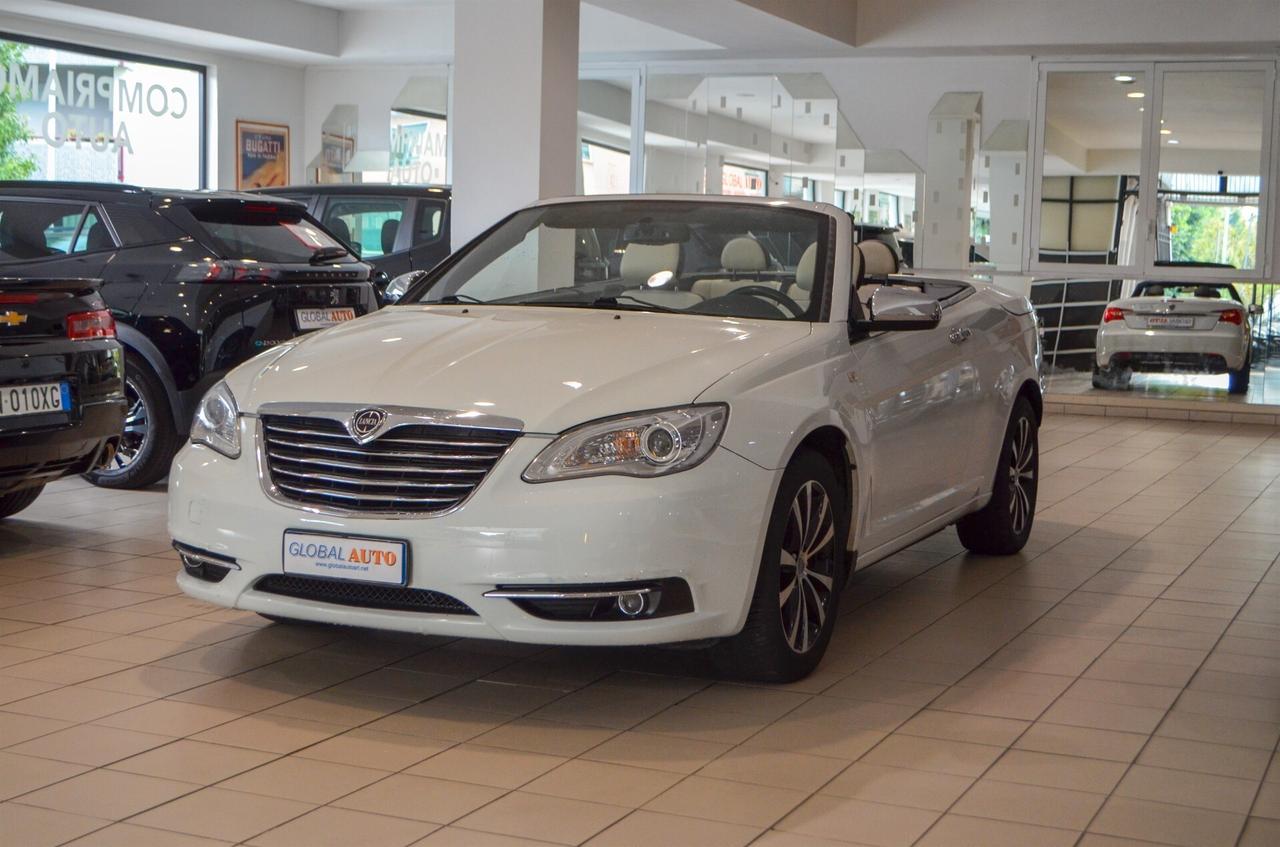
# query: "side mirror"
901,309
1255,309
398,286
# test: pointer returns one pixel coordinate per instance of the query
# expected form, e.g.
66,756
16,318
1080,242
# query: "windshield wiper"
460,298
643,305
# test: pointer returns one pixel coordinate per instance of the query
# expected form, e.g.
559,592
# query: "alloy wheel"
807,567
1022,475
137,429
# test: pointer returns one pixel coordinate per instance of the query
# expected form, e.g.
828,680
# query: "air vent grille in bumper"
365,595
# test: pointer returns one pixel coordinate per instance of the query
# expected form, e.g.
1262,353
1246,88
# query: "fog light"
631,604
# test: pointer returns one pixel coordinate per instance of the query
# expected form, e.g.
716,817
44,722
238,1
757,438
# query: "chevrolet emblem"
12,318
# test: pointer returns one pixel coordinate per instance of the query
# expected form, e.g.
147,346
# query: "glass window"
34,230
1211,132
140,225
90,239
605,170
418,148
370,223
430,221
743,182
264,233
649,255
75,114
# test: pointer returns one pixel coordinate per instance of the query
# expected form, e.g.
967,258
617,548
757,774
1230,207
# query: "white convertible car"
1175,327
696,443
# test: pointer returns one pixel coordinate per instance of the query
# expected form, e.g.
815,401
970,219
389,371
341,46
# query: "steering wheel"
770,294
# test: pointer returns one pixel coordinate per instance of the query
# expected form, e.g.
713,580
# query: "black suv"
197,281
395,228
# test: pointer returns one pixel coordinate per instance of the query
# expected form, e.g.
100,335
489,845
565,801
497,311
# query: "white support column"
949,175
1006,149
514,119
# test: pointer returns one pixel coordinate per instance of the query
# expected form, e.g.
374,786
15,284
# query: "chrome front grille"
414,468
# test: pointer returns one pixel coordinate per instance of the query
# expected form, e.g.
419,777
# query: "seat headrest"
641,261
878,258
340,230
98,238
806,267
743,254
389,229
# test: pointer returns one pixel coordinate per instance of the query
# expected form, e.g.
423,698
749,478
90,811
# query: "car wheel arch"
834,445
139,345
1031,391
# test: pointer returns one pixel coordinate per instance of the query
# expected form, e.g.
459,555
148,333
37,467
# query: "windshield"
696,257
266,233
1211,291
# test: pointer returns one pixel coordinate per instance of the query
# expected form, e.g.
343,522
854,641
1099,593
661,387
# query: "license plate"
321,318
346,557
1164,322
18,400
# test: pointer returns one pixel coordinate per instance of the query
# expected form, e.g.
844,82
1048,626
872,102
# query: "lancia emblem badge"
364,424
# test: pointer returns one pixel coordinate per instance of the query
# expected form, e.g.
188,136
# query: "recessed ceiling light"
1124,78
1166,132
1142,108
1173,141
1136,95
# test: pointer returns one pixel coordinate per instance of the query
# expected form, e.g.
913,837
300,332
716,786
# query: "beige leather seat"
641,262
802,291
743,259
878,263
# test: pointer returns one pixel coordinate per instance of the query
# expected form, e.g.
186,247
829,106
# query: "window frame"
1153,73
403,242
86,206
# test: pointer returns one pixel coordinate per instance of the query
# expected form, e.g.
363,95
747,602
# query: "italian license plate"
321,318
346,557
16,400
1166,322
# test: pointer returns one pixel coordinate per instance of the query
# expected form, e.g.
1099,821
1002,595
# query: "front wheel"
1003,526
16,501
1111,378
149,439
797,593
1238,381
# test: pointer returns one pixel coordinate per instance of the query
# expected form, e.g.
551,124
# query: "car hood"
551,368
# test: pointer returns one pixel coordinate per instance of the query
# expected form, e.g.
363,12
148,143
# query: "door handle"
959,335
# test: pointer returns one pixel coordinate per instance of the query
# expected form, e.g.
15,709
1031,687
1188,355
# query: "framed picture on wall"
262,155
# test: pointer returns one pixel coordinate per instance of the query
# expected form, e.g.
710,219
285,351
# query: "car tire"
150,438
1111,378
1238,381
16,501
1002,527
797,593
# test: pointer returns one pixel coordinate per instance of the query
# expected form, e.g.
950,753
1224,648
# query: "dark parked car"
62,403
197,282
395,228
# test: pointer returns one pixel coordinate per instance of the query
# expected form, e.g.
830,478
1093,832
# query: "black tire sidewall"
990,530
15,501
152,462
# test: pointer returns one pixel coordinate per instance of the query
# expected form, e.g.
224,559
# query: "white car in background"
698,447
1175,327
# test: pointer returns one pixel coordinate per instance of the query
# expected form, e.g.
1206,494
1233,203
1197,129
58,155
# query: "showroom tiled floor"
1118,683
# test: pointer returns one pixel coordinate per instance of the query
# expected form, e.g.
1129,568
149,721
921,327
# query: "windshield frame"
824,266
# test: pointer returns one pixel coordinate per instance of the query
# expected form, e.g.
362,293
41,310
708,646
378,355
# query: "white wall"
238,88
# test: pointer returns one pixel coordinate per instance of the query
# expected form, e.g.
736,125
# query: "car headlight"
217,423
648,444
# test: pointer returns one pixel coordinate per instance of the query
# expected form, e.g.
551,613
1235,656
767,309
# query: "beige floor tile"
1167,824
193,761
131,835
32,826
539,817
547,737
272,733
962,831
976,729
727,801
1267,803
74,703
1215,730
601,782
447,723
1260,832
369,748
1187,788
492,766
898,786
664,752
90,745
875,824
14,728
170,717
702,724
930,754
420,798
1075,773
222,814
452,836
113,795
817,736
330,827
1034,804
645,827
1098,715
308,780
777,768
1182,754
20,774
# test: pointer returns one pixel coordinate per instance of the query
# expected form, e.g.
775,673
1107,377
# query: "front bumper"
704,526
1225,347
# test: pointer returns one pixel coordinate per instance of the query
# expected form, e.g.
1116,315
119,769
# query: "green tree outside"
14,163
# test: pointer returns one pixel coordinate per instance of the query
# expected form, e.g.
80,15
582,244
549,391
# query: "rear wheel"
16,501
1238,381
149,439
1003,526
797,593
1111,378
